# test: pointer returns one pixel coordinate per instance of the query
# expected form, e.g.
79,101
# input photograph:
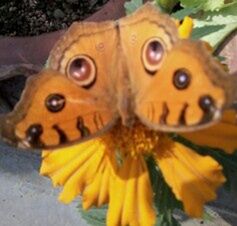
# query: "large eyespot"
152,54
55,102
82,70
207,103
181,79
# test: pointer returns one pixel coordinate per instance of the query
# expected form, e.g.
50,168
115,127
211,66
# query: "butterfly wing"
189,91
73,99
177,84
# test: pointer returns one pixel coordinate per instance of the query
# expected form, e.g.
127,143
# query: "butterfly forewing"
177,85
73,98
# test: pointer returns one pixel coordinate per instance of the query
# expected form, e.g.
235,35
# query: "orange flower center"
135,140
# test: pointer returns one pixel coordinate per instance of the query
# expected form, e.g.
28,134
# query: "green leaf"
164,198
167,220
131,6
200,32
167,5
221,58
205,5
221,23
184,12
193,3
213,5
94,216
207,217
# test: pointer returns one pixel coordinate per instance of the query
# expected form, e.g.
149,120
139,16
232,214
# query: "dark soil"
33,17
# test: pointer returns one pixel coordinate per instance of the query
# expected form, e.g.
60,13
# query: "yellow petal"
131,195
45,153
146,210
76,167
97,192
80,162
185,29
81,177
222,135
56,159
192,177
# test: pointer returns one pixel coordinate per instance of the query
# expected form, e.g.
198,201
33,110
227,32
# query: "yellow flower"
112,169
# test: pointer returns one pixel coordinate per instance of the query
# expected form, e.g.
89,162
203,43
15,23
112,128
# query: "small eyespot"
55,102
82,70
207,103
153,54
34,132
181,79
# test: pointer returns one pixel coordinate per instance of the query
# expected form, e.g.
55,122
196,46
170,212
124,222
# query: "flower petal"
97,192
74,167
192,177
222,135
185,29
131,195
56,159
82,176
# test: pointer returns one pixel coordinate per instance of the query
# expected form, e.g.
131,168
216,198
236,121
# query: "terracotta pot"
34,50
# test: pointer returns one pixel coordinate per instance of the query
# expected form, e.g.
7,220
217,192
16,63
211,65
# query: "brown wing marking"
196,104
33,124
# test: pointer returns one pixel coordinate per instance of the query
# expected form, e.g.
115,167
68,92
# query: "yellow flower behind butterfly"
112,169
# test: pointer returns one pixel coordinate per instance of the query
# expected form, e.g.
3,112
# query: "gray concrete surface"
27,199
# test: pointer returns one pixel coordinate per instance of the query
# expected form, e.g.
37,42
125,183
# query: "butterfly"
135,68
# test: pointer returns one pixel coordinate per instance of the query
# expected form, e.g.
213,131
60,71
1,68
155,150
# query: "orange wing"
73,98
188,92
55,112
176,84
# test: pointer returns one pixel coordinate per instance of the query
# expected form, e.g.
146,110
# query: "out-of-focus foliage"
213,20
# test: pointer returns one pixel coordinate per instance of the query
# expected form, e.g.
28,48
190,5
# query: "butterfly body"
136,68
